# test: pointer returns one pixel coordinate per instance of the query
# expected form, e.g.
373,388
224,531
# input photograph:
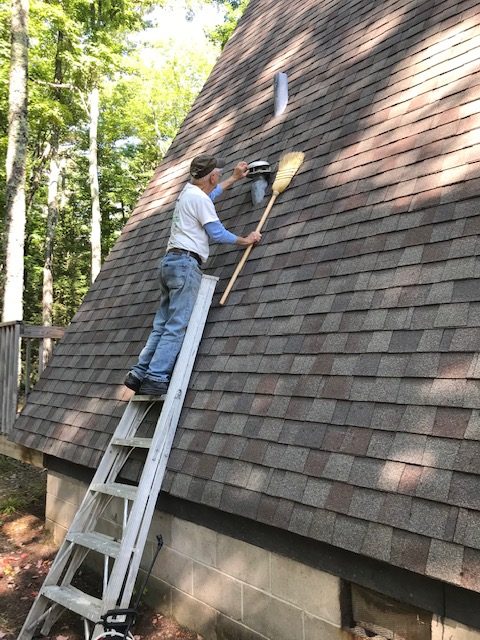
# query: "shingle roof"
337,394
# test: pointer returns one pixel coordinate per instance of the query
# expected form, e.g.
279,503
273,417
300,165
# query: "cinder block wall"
223,588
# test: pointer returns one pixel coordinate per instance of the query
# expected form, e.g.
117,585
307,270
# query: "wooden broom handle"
247,251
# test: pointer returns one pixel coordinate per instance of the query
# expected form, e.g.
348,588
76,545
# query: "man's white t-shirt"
193,210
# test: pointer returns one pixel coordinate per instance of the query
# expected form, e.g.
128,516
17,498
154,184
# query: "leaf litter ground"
27,551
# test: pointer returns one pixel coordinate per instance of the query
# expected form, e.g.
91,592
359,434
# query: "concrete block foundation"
226,589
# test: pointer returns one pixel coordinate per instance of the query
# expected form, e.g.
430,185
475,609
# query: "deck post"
9,362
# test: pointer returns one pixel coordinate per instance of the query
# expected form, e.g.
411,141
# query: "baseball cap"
203,164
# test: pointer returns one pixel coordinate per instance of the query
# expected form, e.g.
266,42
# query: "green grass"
12,504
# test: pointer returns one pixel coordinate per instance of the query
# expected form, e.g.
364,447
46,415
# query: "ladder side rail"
59,563
35,623
142,510
110,465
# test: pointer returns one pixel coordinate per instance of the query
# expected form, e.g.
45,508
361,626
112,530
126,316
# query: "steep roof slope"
337,394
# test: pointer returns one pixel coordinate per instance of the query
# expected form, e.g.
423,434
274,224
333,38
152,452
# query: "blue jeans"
180,279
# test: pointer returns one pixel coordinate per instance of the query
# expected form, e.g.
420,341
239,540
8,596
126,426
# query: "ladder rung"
96,542
116,489
144,398
143,443
75,600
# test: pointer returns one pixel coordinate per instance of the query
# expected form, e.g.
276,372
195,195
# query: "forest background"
115,60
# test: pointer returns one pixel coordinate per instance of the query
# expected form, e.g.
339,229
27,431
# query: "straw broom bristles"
288,166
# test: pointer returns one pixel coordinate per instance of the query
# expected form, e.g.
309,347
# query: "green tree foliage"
233,12
146,90
143,110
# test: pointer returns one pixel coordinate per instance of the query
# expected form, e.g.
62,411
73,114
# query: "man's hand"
253,238
240,171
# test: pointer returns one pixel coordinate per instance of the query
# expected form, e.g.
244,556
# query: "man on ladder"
194,223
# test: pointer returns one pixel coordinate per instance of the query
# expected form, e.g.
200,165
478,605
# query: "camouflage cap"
202,165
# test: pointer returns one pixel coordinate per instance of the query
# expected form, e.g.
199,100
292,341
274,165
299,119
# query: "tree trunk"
56,168
16,164
96,234
52,217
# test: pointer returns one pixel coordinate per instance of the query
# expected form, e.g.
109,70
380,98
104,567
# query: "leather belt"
187,253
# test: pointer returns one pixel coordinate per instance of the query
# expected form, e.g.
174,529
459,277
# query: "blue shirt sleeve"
216,193
217,233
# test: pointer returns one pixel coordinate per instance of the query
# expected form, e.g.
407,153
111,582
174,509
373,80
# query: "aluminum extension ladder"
121,557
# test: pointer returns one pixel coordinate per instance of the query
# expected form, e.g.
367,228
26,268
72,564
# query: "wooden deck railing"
20,365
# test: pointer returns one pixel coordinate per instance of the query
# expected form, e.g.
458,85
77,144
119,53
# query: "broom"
287,167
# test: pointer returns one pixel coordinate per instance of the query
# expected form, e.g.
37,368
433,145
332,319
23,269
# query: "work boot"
132,382
153,388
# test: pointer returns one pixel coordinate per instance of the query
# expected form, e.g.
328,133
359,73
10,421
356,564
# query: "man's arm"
217,233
